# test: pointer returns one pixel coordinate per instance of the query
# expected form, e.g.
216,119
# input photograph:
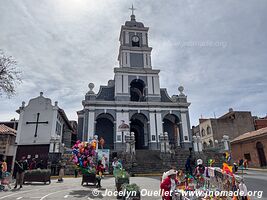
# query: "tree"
9,75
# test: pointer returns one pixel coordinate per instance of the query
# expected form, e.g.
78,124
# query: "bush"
38,172
131,187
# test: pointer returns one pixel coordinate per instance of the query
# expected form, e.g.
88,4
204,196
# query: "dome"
134,23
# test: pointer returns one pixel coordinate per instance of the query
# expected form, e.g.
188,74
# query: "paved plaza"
71,188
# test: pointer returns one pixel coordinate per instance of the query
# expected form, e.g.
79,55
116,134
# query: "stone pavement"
71,189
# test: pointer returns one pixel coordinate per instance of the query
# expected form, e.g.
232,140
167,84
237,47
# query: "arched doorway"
105,129
171,126
210,143
139,126
261,154
205,145
137,90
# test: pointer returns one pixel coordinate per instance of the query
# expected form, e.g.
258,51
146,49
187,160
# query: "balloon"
84,156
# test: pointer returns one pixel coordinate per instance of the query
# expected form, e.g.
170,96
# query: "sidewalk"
257,169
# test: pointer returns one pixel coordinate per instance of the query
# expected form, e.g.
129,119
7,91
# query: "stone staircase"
151,161
147,161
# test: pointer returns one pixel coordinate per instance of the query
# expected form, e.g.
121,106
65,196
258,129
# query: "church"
134,99
43,130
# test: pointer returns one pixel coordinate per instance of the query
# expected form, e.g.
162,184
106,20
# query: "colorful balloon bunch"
84,156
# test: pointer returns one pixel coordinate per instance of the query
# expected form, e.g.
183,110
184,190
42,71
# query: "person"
243,190
245,163
241,162
61,171
33,164
1,169
102,142
21,166
40,165
169,184
117,166
199,172
235,167
76,172
188,167
99,173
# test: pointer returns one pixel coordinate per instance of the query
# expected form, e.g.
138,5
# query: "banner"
103,155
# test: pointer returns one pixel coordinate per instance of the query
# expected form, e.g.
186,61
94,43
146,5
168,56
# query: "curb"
257,169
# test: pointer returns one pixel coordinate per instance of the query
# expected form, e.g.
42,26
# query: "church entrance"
261,154
171,126
140,128
105,129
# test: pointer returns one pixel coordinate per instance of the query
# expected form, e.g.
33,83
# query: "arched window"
137,90
208,130
203,132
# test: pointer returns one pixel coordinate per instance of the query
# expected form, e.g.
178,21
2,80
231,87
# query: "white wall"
29,114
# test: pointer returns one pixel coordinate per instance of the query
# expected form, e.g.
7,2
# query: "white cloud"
62,45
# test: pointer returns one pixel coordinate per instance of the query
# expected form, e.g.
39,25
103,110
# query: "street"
71,188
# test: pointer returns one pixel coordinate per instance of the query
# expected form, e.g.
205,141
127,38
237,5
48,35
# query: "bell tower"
135,80
134,51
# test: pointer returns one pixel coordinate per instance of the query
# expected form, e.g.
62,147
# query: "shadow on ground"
86,193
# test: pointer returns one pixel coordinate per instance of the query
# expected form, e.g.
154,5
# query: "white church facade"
42,129
135,98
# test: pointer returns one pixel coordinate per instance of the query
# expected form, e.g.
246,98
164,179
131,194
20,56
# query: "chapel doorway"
261,154
105,129
139,126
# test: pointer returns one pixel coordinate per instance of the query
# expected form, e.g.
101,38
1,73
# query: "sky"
216,49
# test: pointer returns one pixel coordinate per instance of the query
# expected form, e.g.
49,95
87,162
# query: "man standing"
21,166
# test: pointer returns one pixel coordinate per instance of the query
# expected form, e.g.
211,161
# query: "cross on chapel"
37,123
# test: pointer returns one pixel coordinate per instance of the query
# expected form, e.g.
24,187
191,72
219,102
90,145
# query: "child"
99,173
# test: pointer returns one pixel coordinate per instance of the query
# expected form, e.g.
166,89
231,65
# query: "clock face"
135,38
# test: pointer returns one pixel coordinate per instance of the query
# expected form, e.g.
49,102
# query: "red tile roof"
6,130
250,135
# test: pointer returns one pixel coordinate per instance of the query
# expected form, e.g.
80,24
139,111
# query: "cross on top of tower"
132,9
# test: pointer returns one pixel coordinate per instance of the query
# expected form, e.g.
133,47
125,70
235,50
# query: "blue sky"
216,49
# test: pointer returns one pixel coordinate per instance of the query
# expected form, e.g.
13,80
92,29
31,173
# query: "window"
137,90
247,156
58,128
203,133
208,130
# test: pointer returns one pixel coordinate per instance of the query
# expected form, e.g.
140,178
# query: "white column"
159,124
195,143
156,85
125,84
185,127
152,126
150,85
126,37
118,83
19,126
144,38
54,121
178,137
199,143
91,124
